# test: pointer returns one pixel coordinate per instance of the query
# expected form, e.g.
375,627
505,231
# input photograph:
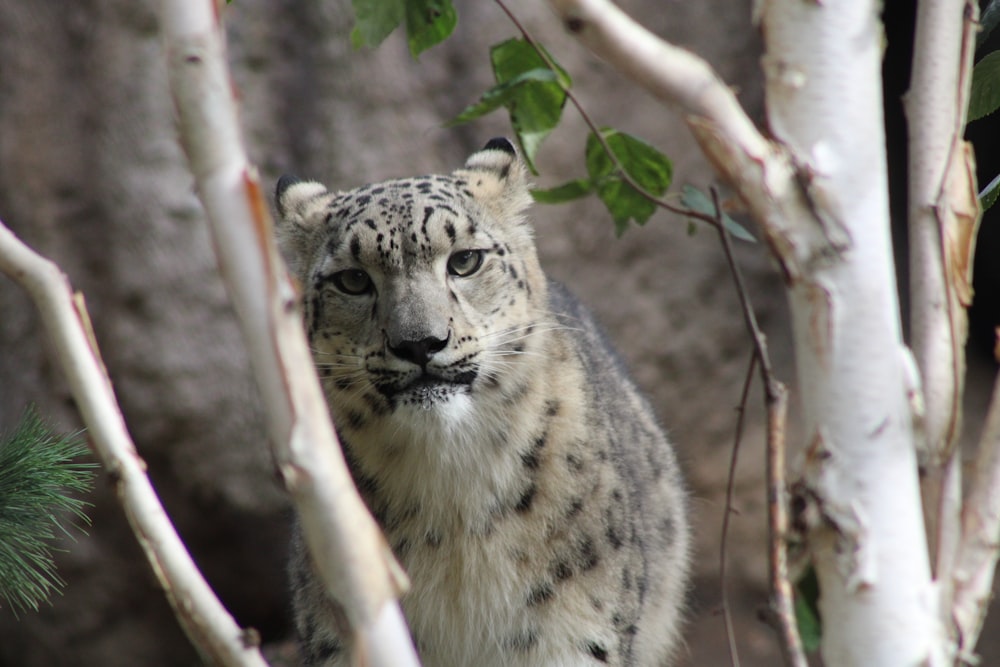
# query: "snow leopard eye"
465,262
352,281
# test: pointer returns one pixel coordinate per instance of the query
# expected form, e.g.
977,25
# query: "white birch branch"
942,208
208,625
350,554
761,172
975,564
944,213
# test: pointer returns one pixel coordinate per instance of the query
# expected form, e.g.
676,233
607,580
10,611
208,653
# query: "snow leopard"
519,475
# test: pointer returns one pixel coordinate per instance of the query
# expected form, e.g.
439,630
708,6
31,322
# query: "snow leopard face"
419,293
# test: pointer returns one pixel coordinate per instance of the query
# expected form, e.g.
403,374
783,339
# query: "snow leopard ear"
292,196
298,203
498,178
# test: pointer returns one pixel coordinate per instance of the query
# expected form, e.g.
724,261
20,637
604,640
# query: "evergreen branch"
40,477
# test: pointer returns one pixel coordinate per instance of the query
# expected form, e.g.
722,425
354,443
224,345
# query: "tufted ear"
298,203
498,178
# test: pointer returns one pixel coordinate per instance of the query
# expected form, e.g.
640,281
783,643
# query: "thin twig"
208,625
625,176
776,399
741,410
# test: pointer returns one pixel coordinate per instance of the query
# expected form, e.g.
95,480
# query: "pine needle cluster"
40,478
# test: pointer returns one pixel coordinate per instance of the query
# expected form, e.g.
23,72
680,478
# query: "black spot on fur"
587,554
356,248
613,533
575,507
522,642
532,458
355,420
574,463
597,651
527,498
540,595
562,571
552,408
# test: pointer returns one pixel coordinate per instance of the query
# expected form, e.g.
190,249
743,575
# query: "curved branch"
208,625
764,174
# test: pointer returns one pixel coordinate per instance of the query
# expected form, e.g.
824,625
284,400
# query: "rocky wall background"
92,176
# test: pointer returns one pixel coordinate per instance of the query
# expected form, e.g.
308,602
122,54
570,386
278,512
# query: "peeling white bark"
824,102
936,106
350,553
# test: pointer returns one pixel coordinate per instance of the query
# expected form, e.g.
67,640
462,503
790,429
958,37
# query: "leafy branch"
628,175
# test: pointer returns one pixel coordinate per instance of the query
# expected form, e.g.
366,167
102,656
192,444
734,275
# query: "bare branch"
208,625
350,554
975,564
943,213
734,657
782,603
761,172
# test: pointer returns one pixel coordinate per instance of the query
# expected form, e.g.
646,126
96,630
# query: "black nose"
419,351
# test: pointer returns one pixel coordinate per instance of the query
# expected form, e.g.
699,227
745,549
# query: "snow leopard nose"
418,351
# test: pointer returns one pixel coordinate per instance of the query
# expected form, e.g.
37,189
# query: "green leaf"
565,192
988,196
535,107
38,471
374,20
696,200
428,23
988,20
985,96
645,165
807,611
501,94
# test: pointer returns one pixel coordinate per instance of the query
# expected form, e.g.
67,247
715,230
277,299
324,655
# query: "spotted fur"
520,477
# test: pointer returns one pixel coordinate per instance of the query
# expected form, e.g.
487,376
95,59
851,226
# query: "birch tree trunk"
824,105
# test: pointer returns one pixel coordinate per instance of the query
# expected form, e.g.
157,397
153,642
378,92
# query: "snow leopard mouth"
429,388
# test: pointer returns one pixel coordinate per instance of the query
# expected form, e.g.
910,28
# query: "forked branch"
208,625
781,612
